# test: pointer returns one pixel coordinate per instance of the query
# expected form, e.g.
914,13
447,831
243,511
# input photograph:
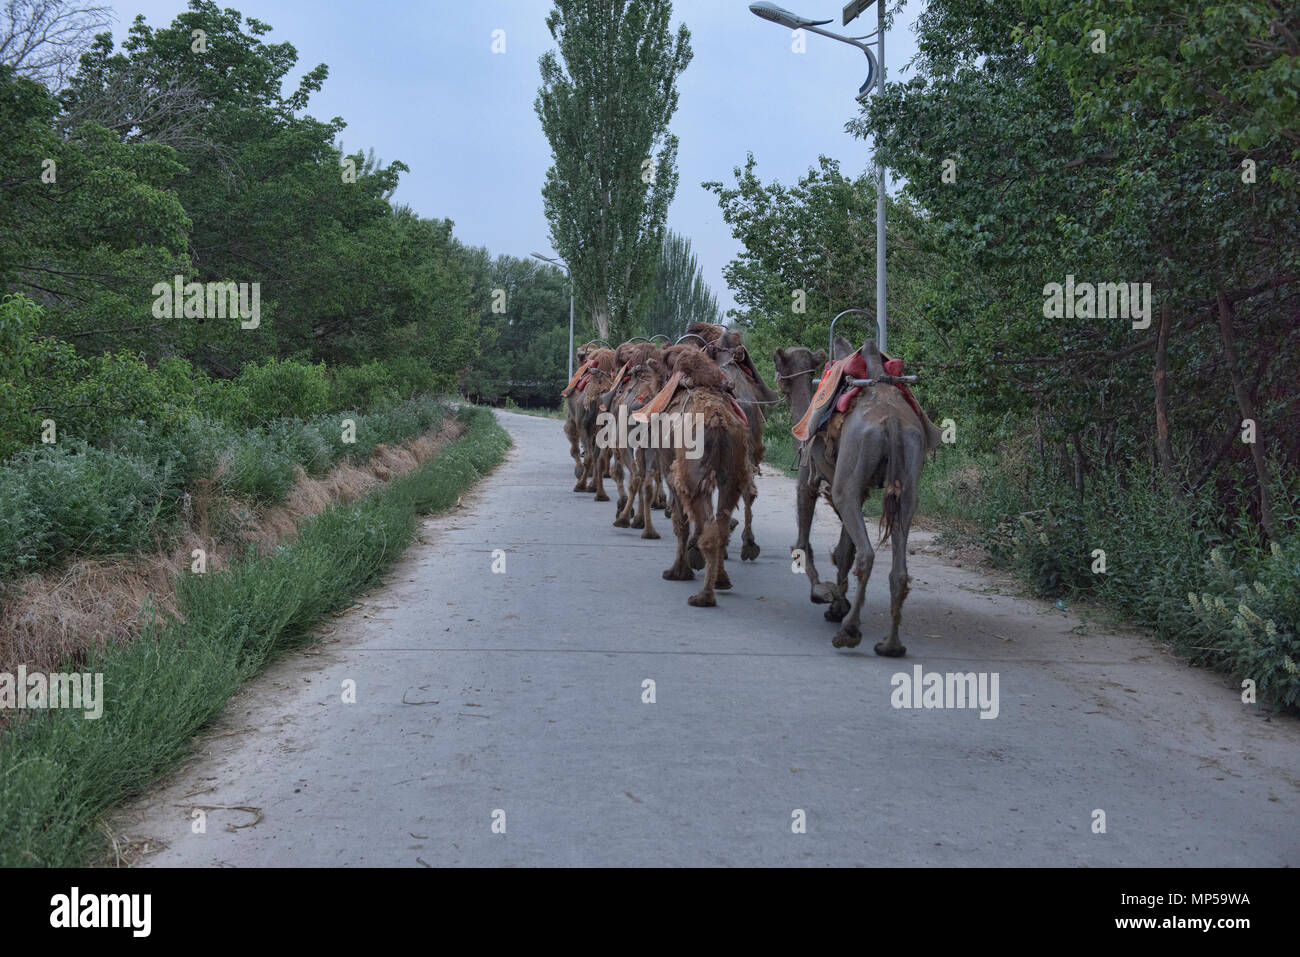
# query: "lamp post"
569,273
876,79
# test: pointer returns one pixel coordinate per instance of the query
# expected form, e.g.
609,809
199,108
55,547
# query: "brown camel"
722,465
754,397
881,443
584,402
633,386
570,414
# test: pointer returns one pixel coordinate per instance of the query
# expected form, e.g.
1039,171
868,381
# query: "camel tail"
895,468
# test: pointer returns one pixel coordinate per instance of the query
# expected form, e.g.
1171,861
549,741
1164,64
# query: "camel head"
796,370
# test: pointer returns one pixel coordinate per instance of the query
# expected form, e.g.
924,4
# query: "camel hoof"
702,601
581,488
660,502
749,551
849,639
577,471
622,503
638,522
722,582
695,557
839,608
620,523
602,497
650,533
676,574
822,594
734,523
886,650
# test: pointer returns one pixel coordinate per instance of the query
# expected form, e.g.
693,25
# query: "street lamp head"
770,11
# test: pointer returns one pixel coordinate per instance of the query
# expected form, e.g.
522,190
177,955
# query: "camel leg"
712,535
626,500
847,493
637,466
727,498
680,570
571,432
899,581
805,504
647,506
598,480
749,548
616,473
660,499
588,460
843,555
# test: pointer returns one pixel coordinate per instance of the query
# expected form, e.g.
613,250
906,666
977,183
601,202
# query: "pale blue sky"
417,80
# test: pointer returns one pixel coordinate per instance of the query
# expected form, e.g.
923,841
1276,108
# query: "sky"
417,80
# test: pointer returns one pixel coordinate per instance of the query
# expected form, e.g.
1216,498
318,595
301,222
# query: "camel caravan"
683,423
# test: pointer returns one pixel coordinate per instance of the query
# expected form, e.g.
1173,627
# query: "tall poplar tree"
605,103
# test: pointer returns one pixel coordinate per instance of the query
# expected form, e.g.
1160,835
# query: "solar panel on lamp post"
875,80
569,272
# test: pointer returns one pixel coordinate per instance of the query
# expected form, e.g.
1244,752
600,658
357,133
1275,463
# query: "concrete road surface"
503,718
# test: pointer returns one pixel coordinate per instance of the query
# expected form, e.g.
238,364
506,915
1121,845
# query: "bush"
284,390
22,535
86,501
1248,620
259,470
362,387
224,400
412,376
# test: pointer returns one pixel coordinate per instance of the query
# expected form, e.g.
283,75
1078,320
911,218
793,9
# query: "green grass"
60,772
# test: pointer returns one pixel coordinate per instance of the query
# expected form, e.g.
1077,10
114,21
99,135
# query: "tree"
1109,141
42,39
681,296
808,250
606,112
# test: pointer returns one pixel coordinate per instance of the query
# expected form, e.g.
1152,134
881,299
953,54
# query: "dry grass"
55,618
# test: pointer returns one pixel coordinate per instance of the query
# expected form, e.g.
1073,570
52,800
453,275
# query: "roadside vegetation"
60,771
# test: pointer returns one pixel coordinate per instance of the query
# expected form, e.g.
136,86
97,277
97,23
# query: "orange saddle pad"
660,401
613,386
581,371
822,398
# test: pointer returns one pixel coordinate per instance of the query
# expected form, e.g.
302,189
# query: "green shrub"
284,390
362,387
412,376
259,470
225,400
22,533
1248,620
92,501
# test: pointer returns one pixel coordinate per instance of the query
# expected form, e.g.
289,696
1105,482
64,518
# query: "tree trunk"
1163,448
1247,407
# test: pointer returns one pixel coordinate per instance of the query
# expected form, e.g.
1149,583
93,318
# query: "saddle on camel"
697,387
840,384
692,369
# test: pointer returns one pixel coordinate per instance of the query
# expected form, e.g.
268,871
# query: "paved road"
522,693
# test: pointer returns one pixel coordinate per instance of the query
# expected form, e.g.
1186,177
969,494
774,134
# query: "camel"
754,396
880,442
634,385
584,403
570,414
723,465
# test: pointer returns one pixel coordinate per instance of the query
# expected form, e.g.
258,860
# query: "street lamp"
876,79
569,272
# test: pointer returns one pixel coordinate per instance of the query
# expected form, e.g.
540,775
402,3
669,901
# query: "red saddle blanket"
829,389
660,402
580,378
